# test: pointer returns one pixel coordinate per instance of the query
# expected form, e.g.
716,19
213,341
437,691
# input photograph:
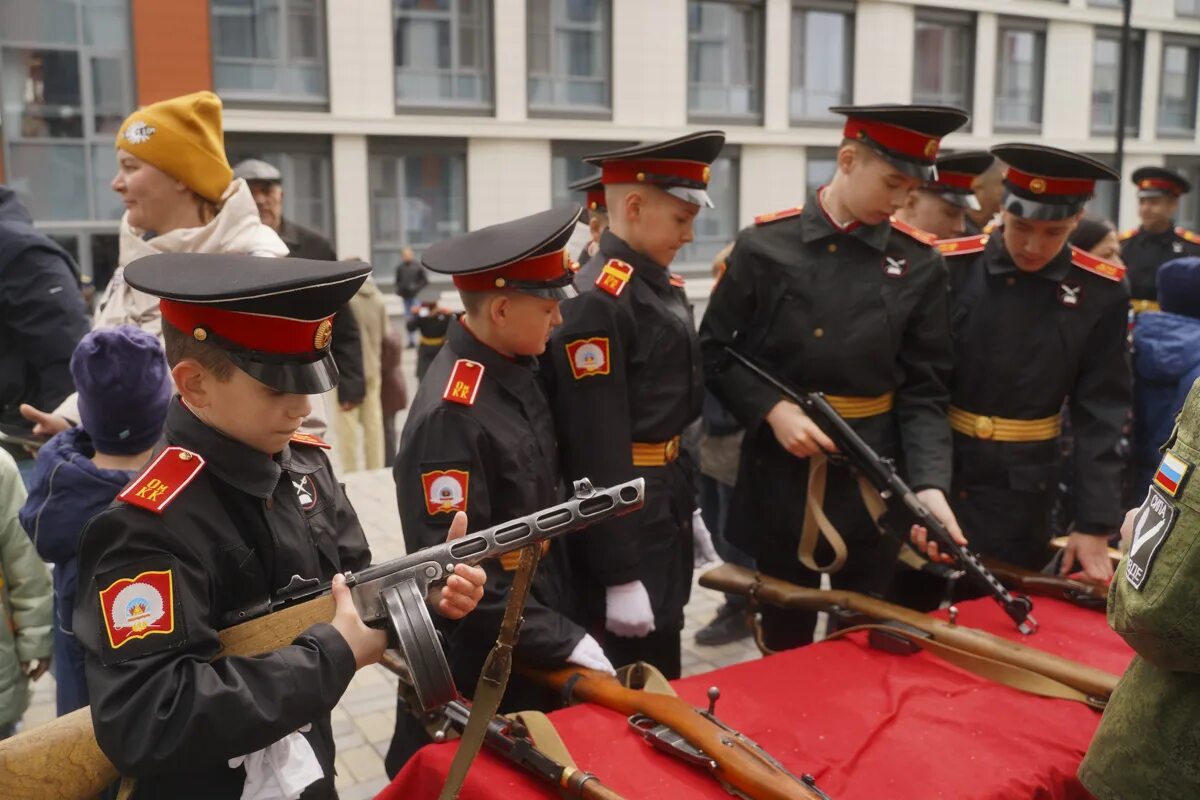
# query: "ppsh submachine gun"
61,760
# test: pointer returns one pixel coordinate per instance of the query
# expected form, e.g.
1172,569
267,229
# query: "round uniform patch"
306,492
323,335
138,132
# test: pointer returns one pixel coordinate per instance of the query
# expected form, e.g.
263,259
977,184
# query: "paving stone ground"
363,720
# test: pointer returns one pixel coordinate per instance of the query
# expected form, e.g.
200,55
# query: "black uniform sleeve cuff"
335,648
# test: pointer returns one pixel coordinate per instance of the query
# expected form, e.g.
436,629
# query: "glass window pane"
822,44
442,53
1189,8
105,23
1019,78
41,94
724,46
819,167
110,104
40,21
943,70
714,227
49,179
269,50
105,201
1177,94
567,46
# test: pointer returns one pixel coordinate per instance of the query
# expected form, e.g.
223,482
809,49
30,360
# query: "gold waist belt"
999,429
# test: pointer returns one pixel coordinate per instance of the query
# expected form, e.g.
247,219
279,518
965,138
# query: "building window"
568,44
822,61
1104,201
1189,209
1186,8
1105,83
717,226
567,166
443,54
1019,75
418,197
65,88
1177,89
306,166
944,71
820,163
269,51
1105,3
725,59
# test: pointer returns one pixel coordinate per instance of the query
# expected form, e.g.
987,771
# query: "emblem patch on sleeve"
1172,473
1151,526
445,490
137,607
588,357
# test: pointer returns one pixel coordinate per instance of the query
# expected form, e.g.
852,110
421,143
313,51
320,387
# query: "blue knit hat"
124,388
1179,286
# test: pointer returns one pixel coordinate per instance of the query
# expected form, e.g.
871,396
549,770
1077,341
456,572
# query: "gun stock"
733,579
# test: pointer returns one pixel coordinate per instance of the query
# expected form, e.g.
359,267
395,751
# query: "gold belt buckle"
985,428
672,449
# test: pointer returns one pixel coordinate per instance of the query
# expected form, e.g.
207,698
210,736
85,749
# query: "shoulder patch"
1152,524
445,490
163,479
309,439
1186,235
464,382
614,276
139,609
1097,266
924,237
1127,234
774,216
588,357
963,245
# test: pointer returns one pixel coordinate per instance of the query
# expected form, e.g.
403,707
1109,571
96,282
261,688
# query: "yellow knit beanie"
182,137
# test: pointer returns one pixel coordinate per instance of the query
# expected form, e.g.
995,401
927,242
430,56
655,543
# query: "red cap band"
955,180
643,170
905,142
1037,184
596,201
267,334
544,268
1160,183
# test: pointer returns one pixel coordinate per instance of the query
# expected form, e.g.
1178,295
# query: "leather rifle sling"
493,679
816,524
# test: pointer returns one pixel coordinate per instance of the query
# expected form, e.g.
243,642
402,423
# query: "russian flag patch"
1171,474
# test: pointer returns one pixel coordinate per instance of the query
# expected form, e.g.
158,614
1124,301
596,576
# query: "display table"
868,725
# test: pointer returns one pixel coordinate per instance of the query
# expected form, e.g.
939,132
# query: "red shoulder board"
677,280
963,245
614,276
1129,234
924,237
1097,266
763,219
1186,235
163,479
308,438
464,382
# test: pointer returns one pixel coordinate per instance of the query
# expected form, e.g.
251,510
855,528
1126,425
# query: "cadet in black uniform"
836,297
235,506
1157,240
627,382
431,321
1037,322
939,206
597,208
480,438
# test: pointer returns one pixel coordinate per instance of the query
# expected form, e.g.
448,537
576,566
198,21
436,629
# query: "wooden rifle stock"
1080,593
732,579
736,763
61,760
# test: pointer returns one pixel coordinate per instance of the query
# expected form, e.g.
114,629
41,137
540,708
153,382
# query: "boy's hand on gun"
460,595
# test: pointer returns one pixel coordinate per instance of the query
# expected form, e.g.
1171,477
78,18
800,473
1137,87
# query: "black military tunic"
857,311
1024,343
495,458
227,540
432,325
625,368
1144,252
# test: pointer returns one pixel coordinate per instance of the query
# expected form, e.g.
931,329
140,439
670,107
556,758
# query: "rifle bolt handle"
714,694
953,612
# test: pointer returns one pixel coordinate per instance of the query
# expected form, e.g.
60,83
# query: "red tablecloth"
868,725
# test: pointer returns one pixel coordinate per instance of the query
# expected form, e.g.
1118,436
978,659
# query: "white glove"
703,552
627,610
588,653
281,771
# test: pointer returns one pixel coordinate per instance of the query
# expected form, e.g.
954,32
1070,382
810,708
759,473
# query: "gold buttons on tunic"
1011,281
832,247
819,332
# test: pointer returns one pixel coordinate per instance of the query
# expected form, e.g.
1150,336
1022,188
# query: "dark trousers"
715,498
660,648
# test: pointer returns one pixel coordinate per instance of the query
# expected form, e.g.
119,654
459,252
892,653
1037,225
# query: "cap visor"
315,377
1041,212
1144,193
697,197
553,292
967,201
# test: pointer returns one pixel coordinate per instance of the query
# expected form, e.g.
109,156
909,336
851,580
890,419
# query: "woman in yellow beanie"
180,197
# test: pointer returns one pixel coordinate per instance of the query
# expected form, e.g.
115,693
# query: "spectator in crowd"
1166,362
124,388
180,197
393,389
1097,236
360,442
431,321
410,280
42,317
25,605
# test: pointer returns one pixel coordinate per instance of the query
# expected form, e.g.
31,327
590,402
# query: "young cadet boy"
627,382
837,297
1157,240
1037,322
939,206
235,507
593,193
480,439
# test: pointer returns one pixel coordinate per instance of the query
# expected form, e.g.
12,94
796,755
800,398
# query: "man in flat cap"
839,297
1158,239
